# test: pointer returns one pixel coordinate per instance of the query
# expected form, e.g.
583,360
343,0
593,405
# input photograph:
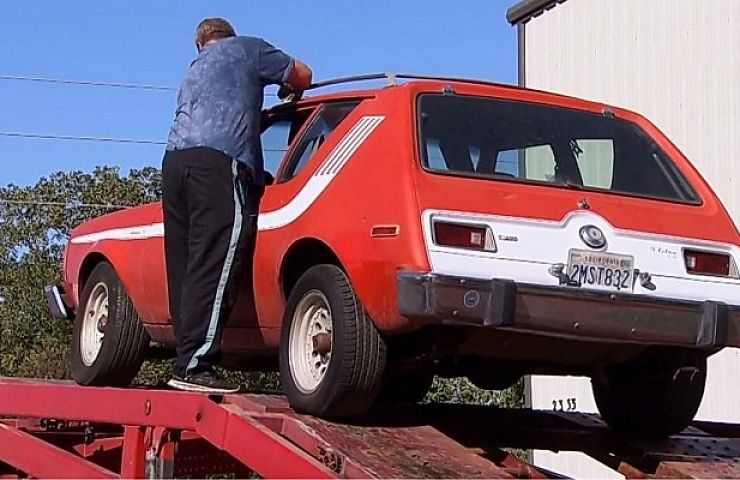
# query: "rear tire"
340,378
648,400
108,340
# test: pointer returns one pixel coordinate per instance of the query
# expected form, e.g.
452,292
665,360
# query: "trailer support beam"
134,452
43,460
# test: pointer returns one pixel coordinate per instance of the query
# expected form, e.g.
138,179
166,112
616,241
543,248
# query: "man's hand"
287,94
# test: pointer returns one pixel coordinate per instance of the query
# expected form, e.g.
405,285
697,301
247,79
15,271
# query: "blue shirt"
220,100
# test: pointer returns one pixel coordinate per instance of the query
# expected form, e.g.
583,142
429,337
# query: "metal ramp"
59,429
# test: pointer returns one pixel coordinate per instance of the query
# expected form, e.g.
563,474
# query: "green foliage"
461,390
35,222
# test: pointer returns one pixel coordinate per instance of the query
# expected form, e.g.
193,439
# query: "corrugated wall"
676,62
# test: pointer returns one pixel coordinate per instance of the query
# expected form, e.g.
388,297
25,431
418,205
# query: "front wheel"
108,340
332,357
650,400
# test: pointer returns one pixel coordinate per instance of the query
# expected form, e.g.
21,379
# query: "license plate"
604,271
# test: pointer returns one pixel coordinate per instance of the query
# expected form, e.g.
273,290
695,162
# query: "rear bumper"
55,301
568,312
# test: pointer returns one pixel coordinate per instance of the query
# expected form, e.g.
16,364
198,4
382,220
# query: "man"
213,179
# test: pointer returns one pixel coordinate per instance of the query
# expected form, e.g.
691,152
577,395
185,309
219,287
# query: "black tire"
124,342
648,400
407,387
354,372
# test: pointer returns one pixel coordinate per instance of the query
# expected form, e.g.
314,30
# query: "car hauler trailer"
58,429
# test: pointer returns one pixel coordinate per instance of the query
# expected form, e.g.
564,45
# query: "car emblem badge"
471,299
592,236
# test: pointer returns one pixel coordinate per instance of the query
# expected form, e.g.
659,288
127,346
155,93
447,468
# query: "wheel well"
300,257
87,267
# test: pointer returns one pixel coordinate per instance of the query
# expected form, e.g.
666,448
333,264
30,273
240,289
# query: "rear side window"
325,122
517,141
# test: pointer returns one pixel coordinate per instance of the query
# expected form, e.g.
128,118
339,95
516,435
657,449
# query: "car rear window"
518,141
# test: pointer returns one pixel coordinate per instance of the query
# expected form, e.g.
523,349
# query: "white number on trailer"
566,394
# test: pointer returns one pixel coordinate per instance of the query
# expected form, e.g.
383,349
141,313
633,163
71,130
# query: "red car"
450,227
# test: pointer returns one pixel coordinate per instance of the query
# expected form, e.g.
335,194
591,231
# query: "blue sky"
152,43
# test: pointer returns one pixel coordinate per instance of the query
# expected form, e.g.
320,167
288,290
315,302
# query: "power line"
88,83
51,136
62,204
93,83
48,136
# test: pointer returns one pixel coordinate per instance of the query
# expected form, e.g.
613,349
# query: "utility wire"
62,204
49,136
88,83
91,83
46,136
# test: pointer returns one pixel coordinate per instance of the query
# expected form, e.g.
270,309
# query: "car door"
284,200
281,128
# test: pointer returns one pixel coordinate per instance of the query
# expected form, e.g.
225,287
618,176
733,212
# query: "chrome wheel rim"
94,324
310,344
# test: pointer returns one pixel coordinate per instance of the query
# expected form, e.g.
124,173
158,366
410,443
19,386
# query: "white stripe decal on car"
283,216
139,232
323,176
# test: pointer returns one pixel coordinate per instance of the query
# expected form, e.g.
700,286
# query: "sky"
151,43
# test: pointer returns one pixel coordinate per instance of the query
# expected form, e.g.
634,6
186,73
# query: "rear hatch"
561,196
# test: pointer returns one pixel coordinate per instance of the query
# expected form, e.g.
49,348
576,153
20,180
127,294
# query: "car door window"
277,135
325,122
275,144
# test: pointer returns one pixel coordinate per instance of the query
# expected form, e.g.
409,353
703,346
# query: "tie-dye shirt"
220,99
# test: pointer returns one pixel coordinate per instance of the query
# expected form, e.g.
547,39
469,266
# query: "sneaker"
203,382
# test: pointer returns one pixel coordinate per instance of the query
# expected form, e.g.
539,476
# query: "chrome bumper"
55,301
568,311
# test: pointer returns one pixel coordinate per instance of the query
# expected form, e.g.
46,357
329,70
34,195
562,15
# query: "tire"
112,357
650,401
344,380
409,387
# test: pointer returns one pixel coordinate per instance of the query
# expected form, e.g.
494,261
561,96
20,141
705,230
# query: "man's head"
212,29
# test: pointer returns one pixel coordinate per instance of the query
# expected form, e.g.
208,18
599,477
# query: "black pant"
210,221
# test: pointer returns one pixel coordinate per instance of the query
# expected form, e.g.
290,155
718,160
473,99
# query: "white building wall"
678,63
675,61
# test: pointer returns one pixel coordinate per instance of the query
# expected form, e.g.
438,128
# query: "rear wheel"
108,340
332,357
649,400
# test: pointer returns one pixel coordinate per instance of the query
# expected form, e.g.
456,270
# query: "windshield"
517,141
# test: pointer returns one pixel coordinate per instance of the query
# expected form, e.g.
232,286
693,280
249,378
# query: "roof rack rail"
392,79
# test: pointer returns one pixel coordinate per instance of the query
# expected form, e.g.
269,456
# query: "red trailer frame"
59,429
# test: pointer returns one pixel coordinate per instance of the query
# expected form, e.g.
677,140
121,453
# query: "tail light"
708,263
461,235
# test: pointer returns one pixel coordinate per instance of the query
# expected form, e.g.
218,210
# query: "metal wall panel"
675,61
678,63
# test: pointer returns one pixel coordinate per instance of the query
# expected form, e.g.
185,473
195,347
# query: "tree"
35,222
